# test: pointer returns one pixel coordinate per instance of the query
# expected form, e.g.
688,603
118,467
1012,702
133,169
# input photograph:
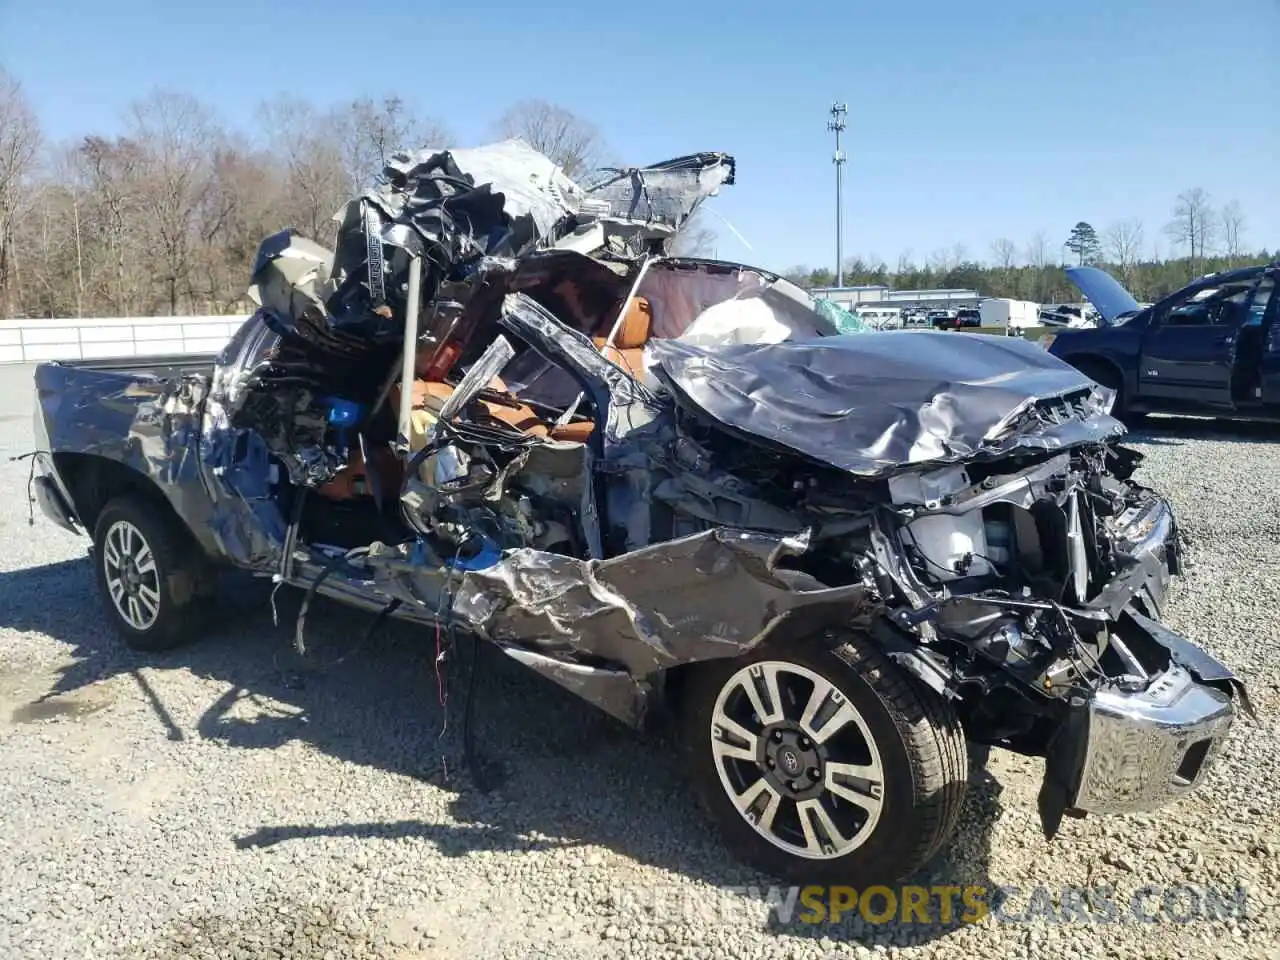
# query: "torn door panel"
246,518
709,595
606,629
614,691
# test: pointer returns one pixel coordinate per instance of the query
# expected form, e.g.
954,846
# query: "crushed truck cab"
674,488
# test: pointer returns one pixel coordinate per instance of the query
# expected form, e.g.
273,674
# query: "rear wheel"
824,762
149,573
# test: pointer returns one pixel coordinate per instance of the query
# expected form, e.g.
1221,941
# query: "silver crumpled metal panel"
878,403
713,594
532,184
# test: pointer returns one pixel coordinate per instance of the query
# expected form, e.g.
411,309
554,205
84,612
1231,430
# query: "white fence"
25,341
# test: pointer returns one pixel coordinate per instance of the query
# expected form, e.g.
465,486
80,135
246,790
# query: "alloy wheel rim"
133,582
797,760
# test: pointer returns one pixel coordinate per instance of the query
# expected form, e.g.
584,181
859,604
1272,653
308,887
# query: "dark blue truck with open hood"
674,488
1211,348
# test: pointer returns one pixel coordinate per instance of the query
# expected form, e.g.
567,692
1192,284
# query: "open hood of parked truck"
1105,292
877,403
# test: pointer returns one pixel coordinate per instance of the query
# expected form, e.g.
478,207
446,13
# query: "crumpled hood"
876,403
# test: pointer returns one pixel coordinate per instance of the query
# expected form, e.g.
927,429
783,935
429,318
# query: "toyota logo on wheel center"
789,761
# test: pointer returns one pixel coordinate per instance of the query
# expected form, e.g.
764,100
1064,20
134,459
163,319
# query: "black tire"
921,750
172,583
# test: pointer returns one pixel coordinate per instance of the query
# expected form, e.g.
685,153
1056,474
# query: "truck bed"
164,366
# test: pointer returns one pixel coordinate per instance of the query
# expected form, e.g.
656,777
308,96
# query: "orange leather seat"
627,350
355,480
513,413
577,432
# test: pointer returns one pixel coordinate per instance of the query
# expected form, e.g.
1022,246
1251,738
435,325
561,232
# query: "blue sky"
967,121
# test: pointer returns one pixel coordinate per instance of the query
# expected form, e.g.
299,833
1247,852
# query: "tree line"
1201,239
165,217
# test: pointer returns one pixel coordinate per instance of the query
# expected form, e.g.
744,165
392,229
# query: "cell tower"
837,123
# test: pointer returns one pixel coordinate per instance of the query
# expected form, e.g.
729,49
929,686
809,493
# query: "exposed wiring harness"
479,775
299,630
31,482
446,640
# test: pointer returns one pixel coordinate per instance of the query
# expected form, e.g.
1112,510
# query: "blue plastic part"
489,554
418,557
343,413
248,464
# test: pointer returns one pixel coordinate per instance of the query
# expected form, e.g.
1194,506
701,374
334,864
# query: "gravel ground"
227,801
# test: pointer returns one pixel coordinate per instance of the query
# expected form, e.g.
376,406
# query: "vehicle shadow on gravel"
568,775
1164,431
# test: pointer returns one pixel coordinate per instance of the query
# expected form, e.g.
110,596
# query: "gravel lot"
229,801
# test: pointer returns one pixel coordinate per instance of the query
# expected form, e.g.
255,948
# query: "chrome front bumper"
1130,749
1138,748
1148,748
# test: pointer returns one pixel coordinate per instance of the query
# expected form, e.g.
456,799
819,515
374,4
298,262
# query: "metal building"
851,297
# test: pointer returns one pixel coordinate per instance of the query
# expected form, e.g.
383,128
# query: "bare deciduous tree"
316,181
241,207
697,239
1038,257
905,263
113,175
64,266
370,132
1233,225
572,142
19,142
1193,224
1123,243
1003,253
178,139
1038,250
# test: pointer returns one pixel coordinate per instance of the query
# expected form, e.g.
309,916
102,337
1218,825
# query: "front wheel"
823,762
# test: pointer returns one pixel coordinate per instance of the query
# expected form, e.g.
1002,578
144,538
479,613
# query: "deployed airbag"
737,321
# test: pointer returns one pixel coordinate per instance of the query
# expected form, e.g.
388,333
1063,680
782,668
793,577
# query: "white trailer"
881,318
1003,312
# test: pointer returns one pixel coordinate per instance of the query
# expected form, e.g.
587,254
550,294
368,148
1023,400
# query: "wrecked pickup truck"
672,487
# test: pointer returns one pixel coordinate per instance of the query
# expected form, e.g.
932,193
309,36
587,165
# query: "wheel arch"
804,623
1098,361
93,481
